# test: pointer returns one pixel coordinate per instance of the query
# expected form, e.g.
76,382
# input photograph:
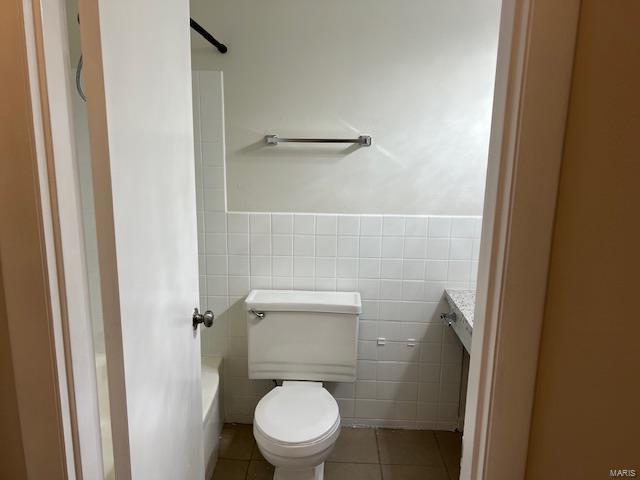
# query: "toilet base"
312,473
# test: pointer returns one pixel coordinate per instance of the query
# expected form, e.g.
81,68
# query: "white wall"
399,264
415,75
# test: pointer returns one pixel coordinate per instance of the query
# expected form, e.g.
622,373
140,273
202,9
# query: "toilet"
302,339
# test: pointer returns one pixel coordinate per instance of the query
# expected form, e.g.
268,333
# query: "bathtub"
211,410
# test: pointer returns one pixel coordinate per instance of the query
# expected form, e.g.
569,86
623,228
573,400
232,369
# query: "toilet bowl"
295,427
302,338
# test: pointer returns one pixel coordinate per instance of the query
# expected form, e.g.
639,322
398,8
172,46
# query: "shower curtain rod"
207,36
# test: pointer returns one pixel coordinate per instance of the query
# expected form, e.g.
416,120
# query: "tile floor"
359,454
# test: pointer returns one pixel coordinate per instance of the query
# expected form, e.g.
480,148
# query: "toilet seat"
297,419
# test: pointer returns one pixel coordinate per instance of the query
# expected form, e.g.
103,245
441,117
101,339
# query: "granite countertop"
463,300
463,303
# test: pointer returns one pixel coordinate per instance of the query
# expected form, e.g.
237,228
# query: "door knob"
206,318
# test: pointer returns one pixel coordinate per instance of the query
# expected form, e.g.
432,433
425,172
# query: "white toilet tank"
299,335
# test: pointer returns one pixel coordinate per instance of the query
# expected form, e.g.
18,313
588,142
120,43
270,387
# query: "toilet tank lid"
303,301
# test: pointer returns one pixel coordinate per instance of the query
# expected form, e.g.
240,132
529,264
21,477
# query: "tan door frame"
55,196
27,255
534,69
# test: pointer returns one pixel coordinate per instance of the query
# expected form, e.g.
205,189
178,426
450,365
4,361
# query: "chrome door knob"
206,318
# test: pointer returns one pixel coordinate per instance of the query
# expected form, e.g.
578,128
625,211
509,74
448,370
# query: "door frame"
534,67
59,220
32,306
533,84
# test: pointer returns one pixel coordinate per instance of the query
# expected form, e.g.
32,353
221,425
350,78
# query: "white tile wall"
409,364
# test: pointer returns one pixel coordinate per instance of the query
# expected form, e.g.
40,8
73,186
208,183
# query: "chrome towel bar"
363,140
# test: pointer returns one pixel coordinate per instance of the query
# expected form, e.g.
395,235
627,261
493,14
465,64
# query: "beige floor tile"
256,454
408,447
260,470
454,472
355,445
413,472
450,444
230,469
236,442
352,471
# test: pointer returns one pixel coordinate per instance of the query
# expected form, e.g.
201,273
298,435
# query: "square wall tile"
463,227
369,268
238,244
325,284
259,223
213,154
282,244
214,200
415,247
260,244
416,227
412,290
326,224
238,222
439,227
392,247
370,225
460,248
282,266
282,223
216,264
348,225
239,286
238,265
393,226
304,224
391,269
370,246
304,245
213,177
370,309
326,267
369,289
260,282
433,291
413,269
347,268
348,246
304,266
326,246
459,271
282,283
217,285
216,243
347,284
391,310
215,222
260,266
436,270
368,330
390,290
438,248
303,283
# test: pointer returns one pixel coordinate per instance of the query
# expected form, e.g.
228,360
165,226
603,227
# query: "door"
137,74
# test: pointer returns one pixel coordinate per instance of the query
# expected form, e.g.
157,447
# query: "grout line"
375,432
446,467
